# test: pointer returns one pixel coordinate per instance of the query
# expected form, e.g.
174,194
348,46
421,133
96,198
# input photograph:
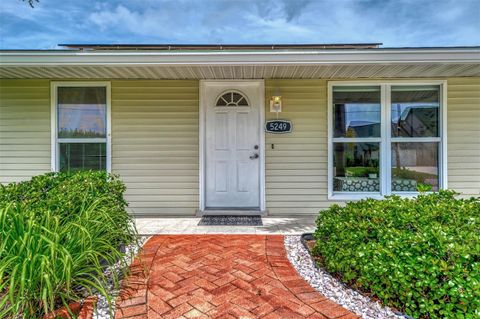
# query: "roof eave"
314,57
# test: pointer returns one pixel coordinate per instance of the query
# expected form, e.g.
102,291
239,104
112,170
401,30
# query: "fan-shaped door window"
232,98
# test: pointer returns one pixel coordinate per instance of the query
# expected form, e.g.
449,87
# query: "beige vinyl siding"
296,166
155,141
296,169
155,144
24,129
464,135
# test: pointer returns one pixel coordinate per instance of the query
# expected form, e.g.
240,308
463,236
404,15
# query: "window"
232,98
80,118
384,138
356,138
415,137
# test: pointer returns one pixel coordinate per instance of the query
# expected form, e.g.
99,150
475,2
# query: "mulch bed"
82,310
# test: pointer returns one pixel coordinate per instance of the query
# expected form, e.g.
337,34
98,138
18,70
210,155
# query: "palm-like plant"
50,259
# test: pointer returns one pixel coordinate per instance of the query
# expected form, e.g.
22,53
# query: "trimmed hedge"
62,192
419,255
58,232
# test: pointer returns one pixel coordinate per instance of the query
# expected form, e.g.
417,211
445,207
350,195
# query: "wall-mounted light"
276,104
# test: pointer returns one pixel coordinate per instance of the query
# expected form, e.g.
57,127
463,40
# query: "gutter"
212,58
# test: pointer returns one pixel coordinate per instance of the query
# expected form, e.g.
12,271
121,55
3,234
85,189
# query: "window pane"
356,111
415,111
82,156
81,112
414,164
356,167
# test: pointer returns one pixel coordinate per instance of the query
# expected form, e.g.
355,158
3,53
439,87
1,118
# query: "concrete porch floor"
189,225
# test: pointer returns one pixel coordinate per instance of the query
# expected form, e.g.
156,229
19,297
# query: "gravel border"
102,310
331,287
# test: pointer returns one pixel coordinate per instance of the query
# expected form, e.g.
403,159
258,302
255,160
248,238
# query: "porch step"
231,212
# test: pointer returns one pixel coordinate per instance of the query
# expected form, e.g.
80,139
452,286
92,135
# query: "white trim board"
309,57
385,157
54,85
202,122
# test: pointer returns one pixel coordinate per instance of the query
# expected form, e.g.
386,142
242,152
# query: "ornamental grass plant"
419,255
58,233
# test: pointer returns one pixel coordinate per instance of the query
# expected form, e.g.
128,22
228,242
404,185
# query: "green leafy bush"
58,232
419,255
62,193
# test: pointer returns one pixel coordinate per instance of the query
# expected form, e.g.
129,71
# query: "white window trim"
385,157
54,85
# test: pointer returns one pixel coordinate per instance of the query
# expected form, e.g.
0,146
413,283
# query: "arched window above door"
232,98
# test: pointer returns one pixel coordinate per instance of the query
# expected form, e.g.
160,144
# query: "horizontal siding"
464,135
296,165
24,129
296,169
155,145
155,142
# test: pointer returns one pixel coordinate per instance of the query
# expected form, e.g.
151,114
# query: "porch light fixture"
276,104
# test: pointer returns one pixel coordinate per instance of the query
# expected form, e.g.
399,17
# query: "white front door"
232,145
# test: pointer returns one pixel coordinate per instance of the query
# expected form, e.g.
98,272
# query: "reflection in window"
82,156
81,128
356,167
415,111
81,112
356,111
411,140
414,164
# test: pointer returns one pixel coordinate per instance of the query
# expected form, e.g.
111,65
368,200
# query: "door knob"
254,156
256,147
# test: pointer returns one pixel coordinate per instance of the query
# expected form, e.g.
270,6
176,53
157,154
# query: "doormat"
225,220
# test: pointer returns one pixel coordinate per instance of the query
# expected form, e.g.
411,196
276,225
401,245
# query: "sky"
395,23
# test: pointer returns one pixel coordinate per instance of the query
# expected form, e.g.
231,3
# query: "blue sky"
393,22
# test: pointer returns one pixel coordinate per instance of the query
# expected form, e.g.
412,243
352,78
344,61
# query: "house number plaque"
278,126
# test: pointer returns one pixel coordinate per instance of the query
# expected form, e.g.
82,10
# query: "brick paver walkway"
220,276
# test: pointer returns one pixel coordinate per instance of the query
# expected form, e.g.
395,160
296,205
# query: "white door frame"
201,136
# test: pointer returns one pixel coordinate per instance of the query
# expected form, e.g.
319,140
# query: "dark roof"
219,47
236,47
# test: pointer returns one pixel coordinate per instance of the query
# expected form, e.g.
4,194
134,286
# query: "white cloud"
120,16
393,22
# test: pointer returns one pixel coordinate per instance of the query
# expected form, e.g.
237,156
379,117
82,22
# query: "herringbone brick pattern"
219,276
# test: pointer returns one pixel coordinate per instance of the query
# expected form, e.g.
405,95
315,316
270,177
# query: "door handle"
254,156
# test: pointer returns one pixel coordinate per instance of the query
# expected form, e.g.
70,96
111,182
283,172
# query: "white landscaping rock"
331,287
102,310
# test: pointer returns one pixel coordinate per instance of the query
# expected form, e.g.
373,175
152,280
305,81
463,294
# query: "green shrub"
419,255
62,192
58,232
64,195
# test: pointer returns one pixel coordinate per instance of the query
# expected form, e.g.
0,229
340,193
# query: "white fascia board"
333,57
